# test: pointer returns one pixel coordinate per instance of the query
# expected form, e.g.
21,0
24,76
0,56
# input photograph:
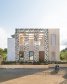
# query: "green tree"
3,53
5,50
63,54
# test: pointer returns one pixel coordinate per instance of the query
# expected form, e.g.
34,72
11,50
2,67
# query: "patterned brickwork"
26,49
46,44
26,43
36,47
17,45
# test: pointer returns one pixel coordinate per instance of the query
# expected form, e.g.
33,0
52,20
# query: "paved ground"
32,75
24,66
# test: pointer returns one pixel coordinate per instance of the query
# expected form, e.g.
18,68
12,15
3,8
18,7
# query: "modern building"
34,45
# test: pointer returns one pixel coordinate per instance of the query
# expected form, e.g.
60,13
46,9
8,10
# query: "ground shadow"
53,72
8,74
64,76
64,82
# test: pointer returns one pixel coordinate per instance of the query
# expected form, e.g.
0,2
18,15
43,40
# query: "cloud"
62,47
3,38
64,42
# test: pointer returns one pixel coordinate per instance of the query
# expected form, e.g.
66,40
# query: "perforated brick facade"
32,41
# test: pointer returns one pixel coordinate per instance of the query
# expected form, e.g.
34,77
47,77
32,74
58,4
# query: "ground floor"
31,56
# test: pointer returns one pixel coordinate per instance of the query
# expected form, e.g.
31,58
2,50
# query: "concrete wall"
11,49
54,48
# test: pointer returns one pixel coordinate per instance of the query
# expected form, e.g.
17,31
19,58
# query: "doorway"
21,55
31,55
41,56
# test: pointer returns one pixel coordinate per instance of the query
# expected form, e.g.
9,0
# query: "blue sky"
30,14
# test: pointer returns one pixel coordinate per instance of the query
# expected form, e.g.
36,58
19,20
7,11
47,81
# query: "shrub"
8,62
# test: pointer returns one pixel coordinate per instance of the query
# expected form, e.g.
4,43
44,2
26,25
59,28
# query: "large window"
21,55
53,39
21,39
31,55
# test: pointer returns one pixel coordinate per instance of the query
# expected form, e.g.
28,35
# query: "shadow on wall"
8,74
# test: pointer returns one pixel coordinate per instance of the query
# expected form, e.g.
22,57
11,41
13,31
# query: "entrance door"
21,55
41,56
31,55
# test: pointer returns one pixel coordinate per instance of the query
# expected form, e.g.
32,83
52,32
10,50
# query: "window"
31,55
21,55
53,39
21,40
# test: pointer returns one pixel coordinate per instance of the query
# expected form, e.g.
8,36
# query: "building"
34,45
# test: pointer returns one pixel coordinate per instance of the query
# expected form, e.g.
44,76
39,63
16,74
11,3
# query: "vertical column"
26,49
46,44
17,45
36,47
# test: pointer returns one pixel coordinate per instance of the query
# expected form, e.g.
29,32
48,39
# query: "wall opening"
21,55
41,56
31,55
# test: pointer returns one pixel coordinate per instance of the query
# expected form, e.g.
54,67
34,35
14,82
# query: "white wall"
11,49
54,48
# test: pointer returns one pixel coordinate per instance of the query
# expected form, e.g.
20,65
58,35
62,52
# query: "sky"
32,14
